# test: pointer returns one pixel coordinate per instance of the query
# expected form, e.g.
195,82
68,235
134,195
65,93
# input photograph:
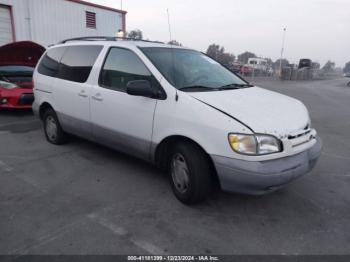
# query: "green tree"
329,67
276,64
174,42
135,34
218,53
347,67
244,57
269,61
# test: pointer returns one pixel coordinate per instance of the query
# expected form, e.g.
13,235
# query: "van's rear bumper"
258,178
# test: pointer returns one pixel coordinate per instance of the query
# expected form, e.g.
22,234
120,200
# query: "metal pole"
282,50
29,22
169,25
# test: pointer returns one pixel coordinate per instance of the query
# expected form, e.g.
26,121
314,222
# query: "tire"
348,84
52,128
190,173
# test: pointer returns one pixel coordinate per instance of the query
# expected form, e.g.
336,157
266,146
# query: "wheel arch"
43,107
163,149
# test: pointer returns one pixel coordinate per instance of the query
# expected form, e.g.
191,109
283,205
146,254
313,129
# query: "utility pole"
29,21
282,50
169,25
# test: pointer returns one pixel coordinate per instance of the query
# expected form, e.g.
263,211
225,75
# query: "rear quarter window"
77,63
50,62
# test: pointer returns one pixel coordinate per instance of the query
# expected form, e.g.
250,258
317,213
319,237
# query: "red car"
246,70
17,63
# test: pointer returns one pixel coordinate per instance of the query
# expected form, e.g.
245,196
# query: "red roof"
98,6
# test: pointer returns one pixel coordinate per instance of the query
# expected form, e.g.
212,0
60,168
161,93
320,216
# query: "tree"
174,42
218,53
269,61
347,67
244,57
316,65
135,34
276,64
329,66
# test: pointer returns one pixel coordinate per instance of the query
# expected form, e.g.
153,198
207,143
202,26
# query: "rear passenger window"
122,66
77,63
50,63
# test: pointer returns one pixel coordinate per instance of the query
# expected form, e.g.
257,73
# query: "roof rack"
106,38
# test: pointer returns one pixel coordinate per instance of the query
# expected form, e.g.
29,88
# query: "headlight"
7,85
255,144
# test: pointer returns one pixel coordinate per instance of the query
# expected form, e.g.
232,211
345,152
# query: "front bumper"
257,178
16,99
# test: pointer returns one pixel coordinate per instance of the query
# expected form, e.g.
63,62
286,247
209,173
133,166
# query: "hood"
21,53
261,110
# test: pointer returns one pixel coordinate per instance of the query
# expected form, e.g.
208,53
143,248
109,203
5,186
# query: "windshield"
191,70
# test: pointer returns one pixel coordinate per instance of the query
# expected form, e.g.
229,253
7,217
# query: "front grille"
26,99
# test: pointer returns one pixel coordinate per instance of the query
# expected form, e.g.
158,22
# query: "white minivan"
178,109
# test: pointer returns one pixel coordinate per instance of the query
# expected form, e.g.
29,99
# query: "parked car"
17,64
178,109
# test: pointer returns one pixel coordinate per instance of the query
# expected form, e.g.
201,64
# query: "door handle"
97,97
82,94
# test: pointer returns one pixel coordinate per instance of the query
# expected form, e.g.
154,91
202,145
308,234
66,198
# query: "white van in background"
258,64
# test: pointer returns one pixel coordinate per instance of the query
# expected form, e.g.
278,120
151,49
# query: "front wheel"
52,128
190,173
349,84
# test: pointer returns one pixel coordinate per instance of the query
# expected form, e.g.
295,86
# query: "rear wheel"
52,128
190,173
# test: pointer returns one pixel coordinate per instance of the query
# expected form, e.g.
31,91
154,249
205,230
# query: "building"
47,22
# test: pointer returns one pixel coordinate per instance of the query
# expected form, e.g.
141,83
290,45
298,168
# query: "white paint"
120,231
263,111
5,167
49,21
46,238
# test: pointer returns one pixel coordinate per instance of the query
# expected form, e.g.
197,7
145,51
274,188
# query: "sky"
316,29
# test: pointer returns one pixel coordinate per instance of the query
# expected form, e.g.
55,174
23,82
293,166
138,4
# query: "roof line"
98,6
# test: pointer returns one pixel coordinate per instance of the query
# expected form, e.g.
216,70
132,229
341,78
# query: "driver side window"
122,66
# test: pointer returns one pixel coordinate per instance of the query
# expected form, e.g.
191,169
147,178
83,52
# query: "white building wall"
49,21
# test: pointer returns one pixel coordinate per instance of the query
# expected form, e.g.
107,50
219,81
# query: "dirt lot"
82,198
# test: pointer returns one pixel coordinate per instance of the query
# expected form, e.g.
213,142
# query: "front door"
120,120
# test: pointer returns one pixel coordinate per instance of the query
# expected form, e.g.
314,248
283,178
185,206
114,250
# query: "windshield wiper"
235,86
206,88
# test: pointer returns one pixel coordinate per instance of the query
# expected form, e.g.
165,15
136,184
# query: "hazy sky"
316,29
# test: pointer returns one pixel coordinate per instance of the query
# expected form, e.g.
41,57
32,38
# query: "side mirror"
140,88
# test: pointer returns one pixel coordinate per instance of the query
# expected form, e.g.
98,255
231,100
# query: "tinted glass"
77,63
122,66
50,62
187,68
